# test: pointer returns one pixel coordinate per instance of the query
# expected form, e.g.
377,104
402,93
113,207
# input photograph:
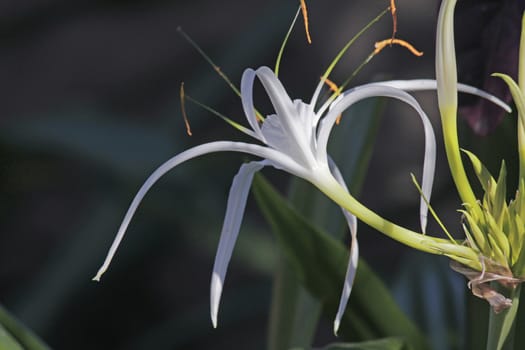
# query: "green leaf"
476,233
501,325
320,261
11,329
476,322
381,344
7,342
519,337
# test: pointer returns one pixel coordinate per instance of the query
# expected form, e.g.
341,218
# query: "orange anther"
380,45
183,109
305,19
393,12
333,87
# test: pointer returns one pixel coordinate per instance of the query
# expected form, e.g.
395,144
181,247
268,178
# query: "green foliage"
15,336
381,344
501,324
295,312
320,261
7,342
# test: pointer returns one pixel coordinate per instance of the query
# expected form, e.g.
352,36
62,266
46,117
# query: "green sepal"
513,227
517,95
520,198
476,232
497,253
485,178
518,268
469,237
498,240
500,193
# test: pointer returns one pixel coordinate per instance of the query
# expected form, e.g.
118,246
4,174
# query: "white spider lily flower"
294,139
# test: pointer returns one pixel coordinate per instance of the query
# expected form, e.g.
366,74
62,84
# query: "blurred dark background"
90,106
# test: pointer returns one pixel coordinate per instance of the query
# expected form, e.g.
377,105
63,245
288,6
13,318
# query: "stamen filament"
336,92
350,42
210,61
338,57
283,45
379,46
232,123
215,67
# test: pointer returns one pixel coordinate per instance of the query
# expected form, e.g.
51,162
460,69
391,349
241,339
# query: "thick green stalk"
521,83
457,169
501,325
463,254
521,148
446,76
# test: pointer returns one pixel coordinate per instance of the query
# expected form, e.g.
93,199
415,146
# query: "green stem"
502,325
447,80
521,83
521,148
457,169
425,243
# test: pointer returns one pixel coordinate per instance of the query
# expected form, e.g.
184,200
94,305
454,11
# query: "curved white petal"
349,281
316,94
351,220
294,118
275,135
277,159
430,84
281,102
248,77
354,253
230,230
374,90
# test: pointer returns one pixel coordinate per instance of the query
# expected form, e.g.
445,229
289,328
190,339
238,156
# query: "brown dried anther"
479,282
